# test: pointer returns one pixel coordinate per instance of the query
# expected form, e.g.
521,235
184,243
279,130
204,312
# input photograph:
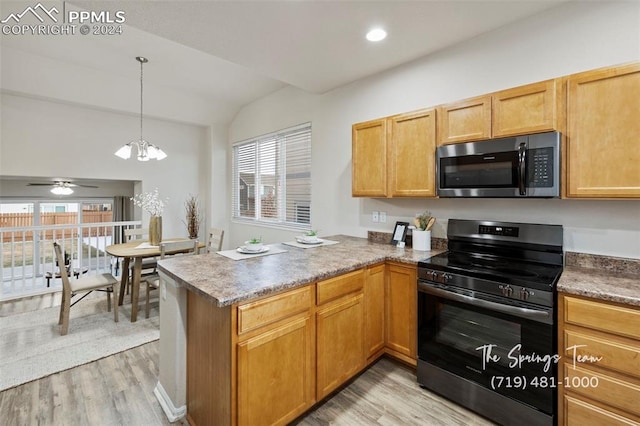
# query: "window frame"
258,186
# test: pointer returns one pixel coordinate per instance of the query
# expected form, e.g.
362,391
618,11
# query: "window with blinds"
272,178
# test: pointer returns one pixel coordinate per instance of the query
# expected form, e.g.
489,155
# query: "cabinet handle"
522,170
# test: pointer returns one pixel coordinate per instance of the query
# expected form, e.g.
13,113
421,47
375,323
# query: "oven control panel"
509,291
505,231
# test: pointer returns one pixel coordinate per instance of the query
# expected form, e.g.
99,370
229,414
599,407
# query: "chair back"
178,247
135,233
215,239
64,274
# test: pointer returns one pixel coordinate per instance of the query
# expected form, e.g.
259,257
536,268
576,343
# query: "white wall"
48,139
571,38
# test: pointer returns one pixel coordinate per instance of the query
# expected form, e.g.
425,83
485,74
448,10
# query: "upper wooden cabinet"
394,156
468,120
602,133
369,161
412,154
533,108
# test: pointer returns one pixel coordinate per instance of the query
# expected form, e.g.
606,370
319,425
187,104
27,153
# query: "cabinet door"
468,120
527,109
602,133
340,343
412,154
374,310
402,317
369,162
276,374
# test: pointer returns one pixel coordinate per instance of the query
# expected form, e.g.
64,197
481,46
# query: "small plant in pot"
310,236
254,244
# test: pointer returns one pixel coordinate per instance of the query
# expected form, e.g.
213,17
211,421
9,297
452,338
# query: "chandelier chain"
141,89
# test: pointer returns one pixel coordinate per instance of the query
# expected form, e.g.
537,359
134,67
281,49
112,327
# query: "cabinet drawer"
580,413
601,316
621,356
600,387
267,311
339,286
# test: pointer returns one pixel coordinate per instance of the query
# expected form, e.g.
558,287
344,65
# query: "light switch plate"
374,217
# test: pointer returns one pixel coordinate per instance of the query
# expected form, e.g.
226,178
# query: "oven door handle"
532,314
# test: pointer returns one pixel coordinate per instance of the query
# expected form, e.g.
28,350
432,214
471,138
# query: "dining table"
137,250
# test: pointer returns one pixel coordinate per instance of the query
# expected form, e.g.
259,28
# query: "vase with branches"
154,205
193,216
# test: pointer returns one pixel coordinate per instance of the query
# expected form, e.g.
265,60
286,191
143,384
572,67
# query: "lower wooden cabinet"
340,343
269,360
339,330
401,312
253,363
600,368
374,315
578,412
276,374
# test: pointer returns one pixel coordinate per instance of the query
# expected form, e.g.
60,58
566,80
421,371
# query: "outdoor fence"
27,253
25,220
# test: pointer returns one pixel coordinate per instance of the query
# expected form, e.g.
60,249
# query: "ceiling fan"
61,187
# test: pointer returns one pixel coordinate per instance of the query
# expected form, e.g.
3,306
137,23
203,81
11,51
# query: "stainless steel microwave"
519,166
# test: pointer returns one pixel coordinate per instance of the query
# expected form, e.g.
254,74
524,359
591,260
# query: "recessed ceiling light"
376,34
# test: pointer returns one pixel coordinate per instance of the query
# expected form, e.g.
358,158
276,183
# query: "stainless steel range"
486,320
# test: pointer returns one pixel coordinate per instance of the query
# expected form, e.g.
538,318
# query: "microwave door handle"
532,314
522,170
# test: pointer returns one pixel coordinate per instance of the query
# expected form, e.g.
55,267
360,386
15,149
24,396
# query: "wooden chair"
215,240
184,247
149,264
85,284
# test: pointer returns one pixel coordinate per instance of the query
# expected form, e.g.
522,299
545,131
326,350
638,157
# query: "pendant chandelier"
146,151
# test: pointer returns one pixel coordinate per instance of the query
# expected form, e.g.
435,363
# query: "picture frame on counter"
399,232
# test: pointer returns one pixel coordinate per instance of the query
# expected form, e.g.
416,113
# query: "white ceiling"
320,45
225,54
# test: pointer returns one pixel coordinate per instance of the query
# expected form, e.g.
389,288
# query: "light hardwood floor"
388,394
118,390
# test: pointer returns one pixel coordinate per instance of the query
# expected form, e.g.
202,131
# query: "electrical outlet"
383,217
374,217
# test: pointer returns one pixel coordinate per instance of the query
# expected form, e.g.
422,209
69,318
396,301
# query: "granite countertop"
225,281
607,285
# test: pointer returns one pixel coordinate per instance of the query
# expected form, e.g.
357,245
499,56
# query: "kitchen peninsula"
268,337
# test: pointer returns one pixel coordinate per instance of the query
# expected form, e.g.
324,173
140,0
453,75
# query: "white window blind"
272,178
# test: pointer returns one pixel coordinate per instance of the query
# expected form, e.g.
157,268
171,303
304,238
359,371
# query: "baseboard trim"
173,414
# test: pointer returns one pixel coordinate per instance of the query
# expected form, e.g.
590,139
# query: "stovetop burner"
505,259
506,271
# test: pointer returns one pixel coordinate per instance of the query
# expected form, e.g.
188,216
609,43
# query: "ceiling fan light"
62,190
124,152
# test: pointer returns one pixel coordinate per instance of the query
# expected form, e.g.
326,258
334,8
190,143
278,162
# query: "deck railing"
27,254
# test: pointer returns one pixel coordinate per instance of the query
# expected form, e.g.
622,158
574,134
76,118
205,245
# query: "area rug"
31,346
